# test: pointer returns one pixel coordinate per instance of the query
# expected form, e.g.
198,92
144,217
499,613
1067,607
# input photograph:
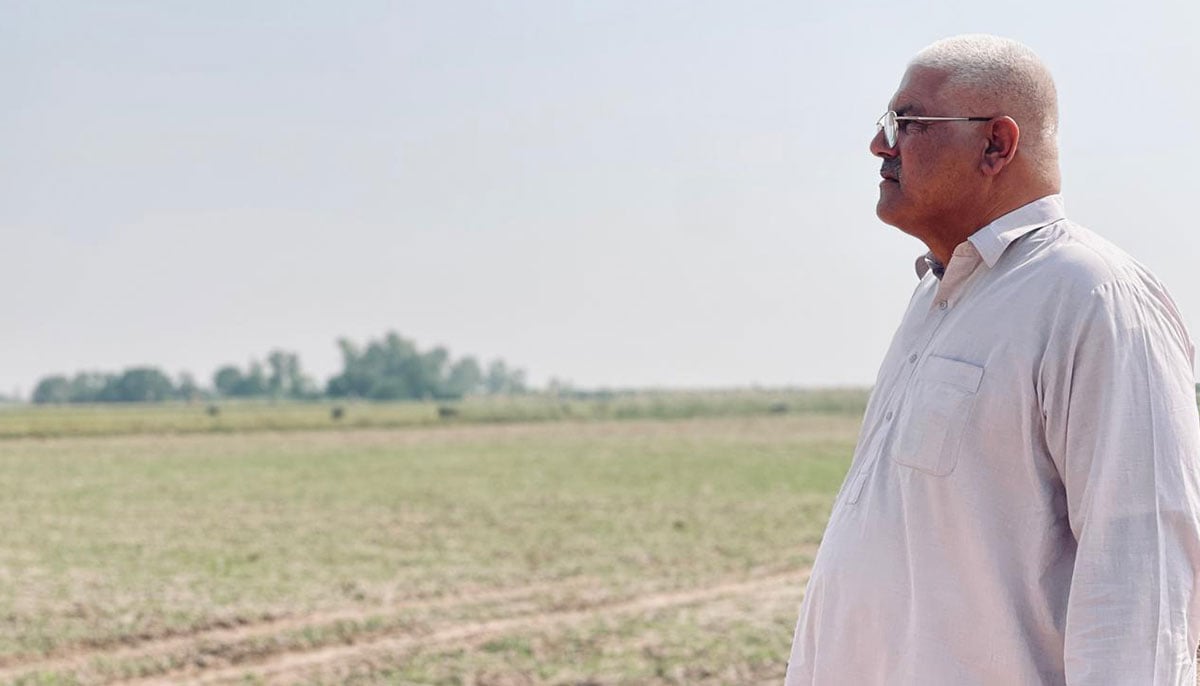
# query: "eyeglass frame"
891,134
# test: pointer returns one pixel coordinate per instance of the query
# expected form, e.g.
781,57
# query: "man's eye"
907,126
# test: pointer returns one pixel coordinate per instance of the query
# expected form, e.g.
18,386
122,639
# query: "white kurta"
1024,501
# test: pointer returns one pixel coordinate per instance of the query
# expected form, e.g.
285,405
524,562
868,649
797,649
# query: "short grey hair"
1004,75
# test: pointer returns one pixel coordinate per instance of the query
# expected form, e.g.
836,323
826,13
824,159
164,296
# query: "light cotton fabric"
1023,503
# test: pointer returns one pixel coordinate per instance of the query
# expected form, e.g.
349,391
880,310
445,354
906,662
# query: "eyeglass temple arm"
915,118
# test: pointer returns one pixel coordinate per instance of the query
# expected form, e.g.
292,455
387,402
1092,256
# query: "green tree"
187,388
502,380
387,369
52,389
88,387
391,365
465,378
352,382
139,384
430,372
286,379
393,368
254,383
232,382
227,380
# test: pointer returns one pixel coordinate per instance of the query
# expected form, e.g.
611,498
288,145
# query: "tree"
500,379
430,368
280,378
465,378
387,370
353,381
139,384
186,387
286,378
254,383
393,368
52,389
227,380
88,387
136,384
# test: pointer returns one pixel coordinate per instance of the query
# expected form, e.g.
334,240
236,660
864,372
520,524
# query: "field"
482,547
241,416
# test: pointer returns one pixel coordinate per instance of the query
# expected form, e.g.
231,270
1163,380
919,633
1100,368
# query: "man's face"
931,174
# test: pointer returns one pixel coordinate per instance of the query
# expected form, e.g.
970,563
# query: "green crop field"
593,551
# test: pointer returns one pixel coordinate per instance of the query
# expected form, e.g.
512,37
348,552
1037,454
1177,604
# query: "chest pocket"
939,405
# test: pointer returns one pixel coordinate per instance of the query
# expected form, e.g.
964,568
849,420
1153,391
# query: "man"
1024,502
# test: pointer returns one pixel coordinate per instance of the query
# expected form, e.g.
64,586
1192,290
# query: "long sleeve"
1122,429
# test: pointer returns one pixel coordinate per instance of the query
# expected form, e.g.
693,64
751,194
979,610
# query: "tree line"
390,368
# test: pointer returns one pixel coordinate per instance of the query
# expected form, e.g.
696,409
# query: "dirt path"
231,654
287,667
163,647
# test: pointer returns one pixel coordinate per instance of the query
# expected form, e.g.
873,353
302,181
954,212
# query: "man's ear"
1003,135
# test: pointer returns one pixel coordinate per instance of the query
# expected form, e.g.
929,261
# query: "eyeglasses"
889,124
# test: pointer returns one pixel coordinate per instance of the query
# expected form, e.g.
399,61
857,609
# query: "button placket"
881,438
953,285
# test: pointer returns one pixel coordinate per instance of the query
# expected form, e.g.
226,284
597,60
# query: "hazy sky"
613,193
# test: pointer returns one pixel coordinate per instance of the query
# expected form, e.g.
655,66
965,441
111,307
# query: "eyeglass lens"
888,124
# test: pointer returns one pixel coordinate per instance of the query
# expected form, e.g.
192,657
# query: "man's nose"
879,146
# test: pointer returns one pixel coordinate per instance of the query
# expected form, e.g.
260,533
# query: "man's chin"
886,208
889,212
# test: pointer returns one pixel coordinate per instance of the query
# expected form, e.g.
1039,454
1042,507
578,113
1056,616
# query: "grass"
732,642
18,421
303,541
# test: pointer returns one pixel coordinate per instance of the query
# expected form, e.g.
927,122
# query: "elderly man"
1024,502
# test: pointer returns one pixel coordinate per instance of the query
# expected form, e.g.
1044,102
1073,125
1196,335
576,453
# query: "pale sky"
611,193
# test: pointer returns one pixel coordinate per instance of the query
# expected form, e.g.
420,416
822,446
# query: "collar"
992,240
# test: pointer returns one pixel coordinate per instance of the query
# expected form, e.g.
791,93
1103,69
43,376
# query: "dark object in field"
337,412
213,410
778,408
447,412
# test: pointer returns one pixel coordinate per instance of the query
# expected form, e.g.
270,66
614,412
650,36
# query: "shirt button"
943,305
888,416
912,357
